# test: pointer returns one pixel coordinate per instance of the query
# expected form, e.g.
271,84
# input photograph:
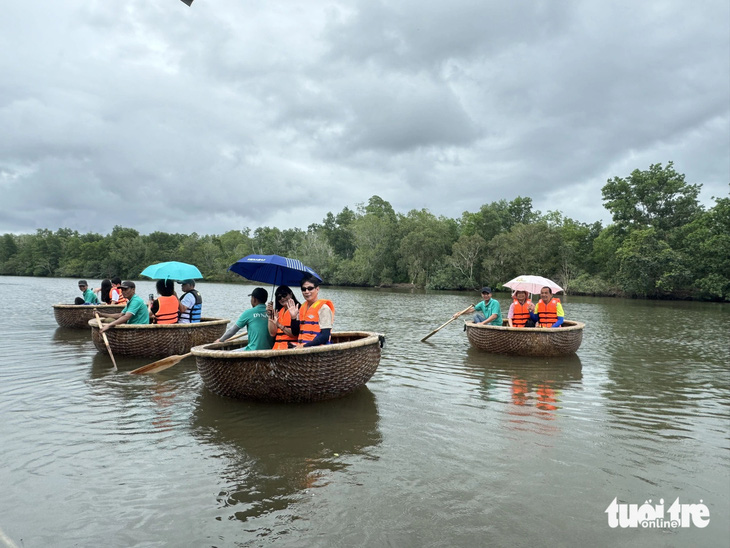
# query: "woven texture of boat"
153,340
526,341
293,375
78,315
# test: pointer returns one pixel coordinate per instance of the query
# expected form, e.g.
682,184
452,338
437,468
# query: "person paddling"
487,310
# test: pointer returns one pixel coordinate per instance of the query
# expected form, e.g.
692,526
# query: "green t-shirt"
137,307
257,322
90,297
492,307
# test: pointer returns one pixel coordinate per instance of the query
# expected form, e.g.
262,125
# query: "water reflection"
276,453
658,377
71,336
529,386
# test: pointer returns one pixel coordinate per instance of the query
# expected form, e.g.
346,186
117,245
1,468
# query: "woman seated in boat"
313,321
548,310
519,310
105,291
280,319
165,308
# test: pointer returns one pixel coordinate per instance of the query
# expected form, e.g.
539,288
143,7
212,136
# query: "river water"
446,446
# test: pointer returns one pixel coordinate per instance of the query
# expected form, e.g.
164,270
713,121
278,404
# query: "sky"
233,114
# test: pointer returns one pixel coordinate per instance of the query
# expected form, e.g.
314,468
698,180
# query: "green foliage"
525,249
467,254
662,245
425,241
657,198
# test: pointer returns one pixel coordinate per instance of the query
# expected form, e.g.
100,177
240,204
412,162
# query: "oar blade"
159,365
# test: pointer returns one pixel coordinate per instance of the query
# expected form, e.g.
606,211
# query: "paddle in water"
165,363
444,325
106,341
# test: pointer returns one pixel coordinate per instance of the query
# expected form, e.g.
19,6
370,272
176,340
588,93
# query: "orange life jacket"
548,314
168,310
309,319
546,398
282,339
121,300
520,313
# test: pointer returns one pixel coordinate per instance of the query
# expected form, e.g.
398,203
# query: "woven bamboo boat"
293,375
153,340
78,315
526,341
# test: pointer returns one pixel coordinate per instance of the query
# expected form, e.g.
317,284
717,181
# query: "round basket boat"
152,340
526,341
78,315
293,375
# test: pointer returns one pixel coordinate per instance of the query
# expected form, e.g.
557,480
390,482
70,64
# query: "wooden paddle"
444,325
165,363
106,341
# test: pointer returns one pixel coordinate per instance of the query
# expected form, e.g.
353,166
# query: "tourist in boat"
88,296
312,323
135,312
116,292
280,319
548,310
104,292
256,320
487,310
519,310
191,303
165,308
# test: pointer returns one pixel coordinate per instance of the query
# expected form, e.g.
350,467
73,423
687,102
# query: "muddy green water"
447,446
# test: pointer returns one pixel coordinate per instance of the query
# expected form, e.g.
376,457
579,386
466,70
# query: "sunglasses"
309,288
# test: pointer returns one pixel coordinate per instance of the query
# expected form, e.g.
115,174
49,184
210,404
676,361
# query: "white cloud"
157,116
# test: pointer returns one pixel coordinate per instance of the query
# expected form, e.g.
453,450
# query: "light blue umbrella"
172,270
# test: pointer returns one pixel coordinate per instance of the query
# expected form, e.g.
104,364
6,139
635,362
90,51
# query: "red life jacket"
168,310
282,339
520,313
549,315
309,319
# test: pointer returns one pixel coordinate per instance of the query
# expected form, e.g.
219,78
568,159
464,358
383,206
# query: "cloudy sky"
229,114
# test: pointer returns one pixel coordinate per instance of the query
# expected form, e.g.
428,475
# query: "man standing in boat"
191,303
548,310
135,312
256,320
313,321
487,310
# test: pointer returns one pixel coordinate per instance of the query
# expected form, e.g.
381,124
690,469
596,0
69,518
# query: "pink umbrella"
532,284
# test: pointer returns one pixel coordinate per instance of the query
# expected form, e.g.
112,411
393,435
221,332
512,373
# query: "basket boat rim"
204,322
366,338
568,325
86,306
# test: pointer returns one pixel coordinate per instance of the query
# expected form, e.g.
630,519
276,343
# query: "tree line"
661,244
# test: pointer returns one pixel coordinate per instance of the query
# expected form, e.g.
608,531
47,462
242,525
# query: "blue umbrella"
272,269
172,270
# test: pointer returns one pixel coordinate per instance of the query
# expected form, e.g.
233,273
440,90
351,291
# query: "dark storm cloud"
225,115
